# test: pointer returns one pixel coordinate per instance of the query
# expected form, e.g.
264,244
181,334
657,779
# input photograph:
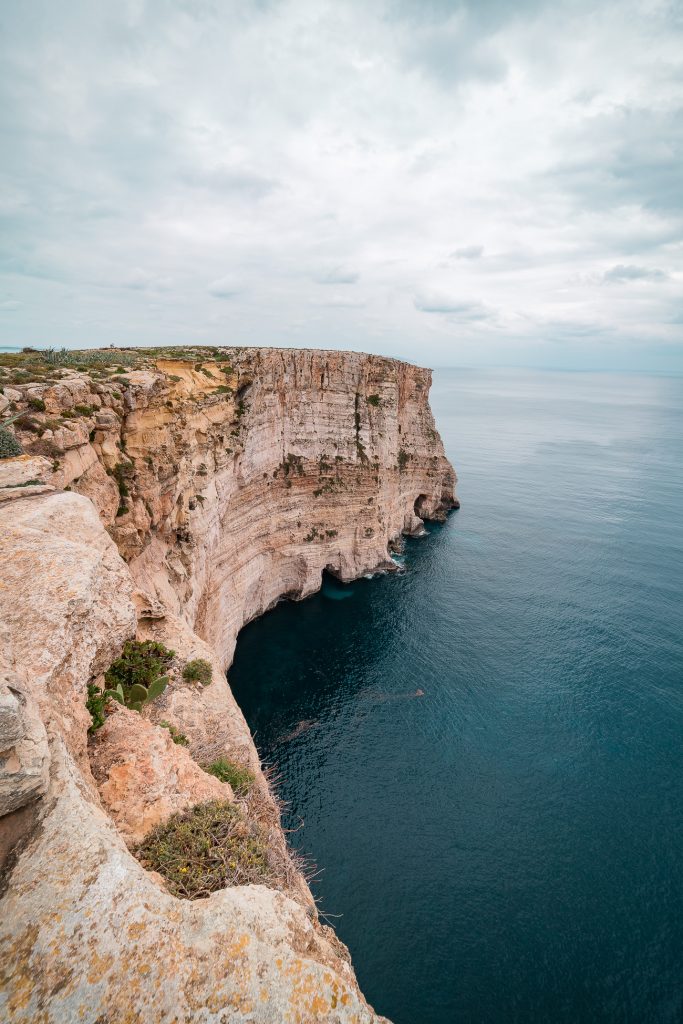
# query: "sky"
455,183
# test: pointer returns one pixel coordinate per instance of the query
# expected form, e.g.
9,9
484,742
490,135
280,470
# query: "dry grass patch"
210,847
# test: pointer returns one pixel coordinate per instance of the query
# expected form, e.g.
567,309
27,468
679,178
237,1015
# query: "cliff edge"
172,496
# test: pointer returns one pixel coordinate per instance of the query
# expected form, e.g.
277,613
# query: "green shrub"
198,671
373,400
83,410
136,677
207,848
9,446
142,661
37,404
176,735
95,704
239,777
121,472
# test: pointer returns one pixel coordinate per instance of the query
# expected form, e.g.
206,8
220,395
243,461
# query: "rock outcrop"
176,502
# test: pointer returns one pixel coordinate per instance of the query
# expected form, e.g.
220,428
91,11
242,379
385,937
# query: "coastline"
187,496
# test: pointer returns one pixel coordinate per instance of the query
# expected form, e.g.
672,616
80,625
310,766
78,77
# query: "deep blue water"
508,846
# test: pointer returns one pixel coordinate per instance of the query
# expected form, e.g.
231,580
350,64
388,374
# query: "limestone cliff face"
316,460
177,501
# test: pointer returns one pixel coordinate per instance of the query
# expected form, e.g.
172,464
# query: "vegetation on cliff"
240,777
198,671
134,680
207,848
176,735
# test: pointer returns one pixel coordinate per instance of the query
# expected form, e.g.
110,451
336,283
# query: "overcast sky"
455,183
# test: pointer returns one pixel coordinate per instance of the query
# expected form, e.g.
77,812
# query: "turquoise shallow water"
506,847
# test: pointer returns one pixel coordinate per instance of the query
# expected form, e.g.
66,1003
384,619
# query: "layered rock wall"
177,501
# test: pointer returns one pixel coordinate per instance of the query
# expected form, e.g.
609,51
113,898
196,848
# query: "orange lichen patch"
238,946
98,965
312,998
16,970
233,964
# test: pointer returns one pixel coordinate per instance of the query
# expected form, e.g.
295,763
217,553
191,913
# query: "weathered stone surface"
73,435
24,754
143,776
10,493
224,486
70,391
100,489
87,934
19,470
65,602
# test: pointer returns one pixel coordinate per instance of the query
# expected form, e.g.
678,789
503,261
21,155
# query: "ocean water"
506,847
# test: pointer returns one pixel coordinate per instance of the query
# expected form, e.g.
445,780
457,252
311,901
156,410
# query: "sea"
482,754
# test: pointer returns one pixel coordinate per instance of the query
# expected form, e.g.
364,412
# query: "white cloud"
628,272
457,308
468,252
447,181
141,280
337,275
225,288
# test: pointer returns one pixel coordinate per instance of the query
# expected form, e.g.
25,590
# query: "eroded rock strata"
177,501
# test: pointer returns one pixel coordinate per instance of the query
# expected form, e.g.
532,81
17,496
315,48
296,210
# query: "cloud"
457,309
629,272
141,280
338,275
225,288
339,302
450,56
468,252
159,156
232,182
9,306
455,43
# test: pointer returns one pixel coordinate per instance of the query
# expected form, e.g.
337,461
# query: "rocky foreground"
174,495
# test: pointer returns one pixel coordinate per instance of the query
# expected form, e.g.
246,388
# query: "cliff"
174,496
